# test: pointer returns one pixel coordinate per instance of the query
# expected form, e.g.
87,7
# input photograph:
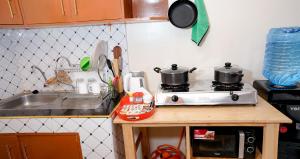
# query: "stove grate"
218,86
176,88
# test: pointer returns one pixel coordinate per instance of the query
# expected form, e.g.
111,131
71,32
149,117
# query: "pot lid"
175,70
228,68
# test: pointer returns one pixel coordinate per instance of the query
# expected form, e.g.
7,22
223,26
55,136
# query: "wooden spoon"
117,51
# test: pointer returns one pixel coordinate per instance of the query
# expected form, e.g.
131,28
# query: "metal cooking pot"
228,74
175,75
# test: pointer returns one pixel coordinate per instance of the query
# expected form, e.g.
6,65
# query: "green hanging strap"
201,27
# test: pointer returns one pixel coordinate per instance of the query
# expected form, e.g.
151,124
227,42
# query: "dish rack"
75,68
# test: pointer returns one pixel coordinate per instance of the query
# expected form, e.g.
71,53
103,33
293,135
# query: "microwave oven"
231,142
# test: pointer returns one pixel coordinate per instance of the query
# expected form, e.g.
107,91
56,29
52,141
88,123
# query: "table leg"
187,142
130,149
145,143
270,141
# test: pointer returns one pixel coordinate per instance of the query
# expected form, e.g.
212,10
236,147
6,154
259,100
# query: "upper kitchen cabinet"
136,10
44,11
58,12
10,12
96,10
66,11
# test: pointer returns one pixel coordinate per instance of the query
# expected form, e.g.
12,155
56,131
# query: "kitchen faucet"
65,58
56,72
34,67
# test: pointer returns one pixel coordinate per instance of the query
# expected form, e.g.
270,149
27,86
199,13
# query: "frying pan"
183,13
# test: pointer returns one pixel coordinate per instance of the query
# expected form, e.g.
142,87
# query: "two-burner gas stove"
206,93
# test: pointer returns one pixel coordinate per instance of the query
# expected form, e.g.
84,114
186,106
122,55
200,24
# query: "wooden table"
262,115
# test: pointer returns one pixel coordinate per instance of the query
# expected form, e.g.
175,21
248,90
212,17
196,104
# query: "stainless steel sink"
29,101
51,100
83,102
55,104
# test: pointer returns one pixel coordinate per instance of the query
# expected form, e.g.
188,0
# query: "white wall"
238,30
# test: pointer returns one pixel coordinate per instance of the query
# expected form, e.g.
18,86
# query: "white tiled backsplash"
22,48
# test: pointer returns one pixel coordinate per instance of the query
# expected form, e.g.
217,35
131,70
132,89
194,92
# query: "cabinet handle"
62,7
24,149
10,9
8,151
75,7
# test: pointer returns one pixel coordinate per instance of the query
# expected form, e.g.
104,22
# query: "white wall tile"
22,48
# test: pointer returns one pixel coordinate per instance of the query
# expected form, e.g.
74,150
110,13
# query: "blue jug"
282,56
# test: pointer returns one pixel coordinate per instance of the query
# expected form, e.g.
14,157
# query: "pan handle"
192,69
157,69
241,75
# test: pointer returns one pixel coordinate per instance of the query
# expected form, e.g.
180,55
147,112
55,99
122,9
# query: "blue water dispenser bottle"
282,56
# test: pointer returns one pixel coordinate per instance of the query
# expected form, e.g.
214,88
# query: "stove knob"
174,98
251,140
250,150
235,97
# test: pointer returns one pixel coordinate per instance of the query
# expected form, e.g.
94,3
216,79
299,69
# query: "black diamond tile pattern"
22,48
100,138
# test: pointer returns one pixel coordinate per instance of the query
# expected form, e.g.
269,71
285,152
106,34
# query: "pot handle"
157,69
192,69
238,74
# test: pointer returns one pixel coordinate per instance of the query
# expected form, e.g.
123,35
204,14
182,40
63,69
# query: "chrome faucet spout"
56,68
34,67
65,58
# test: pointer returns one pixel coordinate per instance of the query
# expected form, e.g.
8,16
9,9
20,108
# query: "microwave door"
241,144
224,145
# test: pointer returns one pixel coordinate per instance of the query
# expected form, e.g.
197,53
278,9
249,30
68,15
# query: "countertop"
262,113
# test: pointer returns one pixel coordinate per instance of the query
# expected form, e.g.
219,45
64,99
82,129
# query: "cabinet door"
10,12
44,11
51,146
9,147
96,10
